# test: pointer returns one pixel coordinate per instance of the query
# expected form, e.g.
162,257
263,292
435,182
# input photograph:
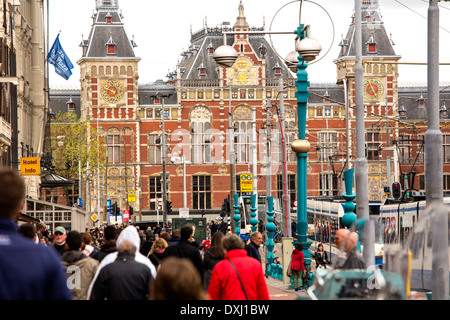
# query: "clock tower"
109,101
380,84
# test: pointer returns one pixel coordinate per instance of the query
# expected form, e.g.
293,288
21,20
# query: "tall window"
446,146
201,192
155,187
291,187
329,146
373,142
329,184
201,134
155,144
242,139
113,146
201,142
290,136
404,149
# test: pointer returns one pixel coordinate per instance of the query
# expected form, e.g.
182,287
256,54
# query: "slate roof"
409,96
59,98
102,32
197,54
373,30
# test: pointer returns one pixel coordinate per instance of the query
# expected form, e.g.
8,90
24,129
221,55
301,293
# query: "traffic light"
222,210
117,211
114,209
169,206
131,210
396,190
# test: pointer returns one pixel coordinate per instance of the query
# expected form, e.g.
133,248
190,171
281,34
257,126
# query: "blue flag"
60,60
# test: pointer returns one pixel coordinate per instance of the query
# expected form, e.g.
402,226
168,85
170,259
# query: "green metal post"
237,216
253,208
270,228
302,96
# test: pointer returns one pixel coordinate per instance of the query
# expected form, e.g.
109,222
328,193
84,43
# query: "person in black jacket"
253,247
124,279
321,257
184,249
213,255
109,245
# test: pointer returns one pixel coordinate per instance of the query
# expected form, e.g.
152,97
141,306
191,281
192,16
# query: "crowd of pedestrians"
122,262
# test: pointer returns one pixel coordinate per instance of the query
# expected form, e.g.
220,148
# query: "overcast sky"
162,30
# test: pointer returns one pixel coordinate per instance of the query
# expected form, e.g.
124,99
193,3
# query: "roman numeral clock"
112,91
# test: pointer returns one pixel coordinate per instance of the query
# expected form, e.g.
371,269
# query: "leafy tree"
75,142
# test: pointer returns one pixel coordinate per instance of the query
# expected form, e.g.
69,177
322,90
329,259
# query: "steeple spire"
241,21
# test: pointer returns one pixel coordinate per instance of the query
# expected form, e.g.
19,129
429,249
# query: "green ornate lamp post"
307,49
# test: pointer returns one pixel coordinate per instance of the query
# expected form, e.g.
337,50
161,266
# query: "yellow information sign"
246,182
131,196
30,166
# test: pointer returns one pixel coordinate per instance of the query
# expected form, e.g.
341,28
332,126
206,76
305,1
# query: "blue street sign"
108,205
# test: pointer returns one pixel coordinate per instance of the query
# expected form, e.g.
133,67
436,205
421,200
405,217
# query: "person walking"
59,240
237,277
298,266
213,255
124,279
108,246
129,234
347,240
28,271
184,249
156,252
177,279
87,245
80,269
253,247
175,237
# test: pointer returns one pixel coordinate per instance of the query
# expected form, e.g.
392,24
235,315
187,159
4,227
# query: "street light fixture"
308,49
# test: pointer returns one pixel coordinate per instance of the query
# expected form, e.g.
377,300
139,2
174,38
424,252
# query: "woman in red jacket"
237,277
297,265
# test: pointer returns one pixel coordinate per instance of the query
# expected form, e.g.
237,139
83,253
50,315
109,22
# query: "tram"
398,219
325,219
404,224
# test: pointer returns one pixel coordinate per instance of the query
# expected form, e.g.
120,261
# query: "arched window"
242,124
201,135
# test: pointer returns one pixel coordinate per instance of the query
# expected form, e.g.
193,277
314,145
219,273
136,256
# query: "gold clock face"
373,89
112,91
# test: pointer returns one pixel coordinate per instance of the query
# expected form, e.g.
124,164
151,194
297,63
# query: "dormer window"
343,44
326,97
108,17
277,69
402,111
111,46
421,102
371,45
70,105
83,45
201,70
443,111
262,50
210,49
